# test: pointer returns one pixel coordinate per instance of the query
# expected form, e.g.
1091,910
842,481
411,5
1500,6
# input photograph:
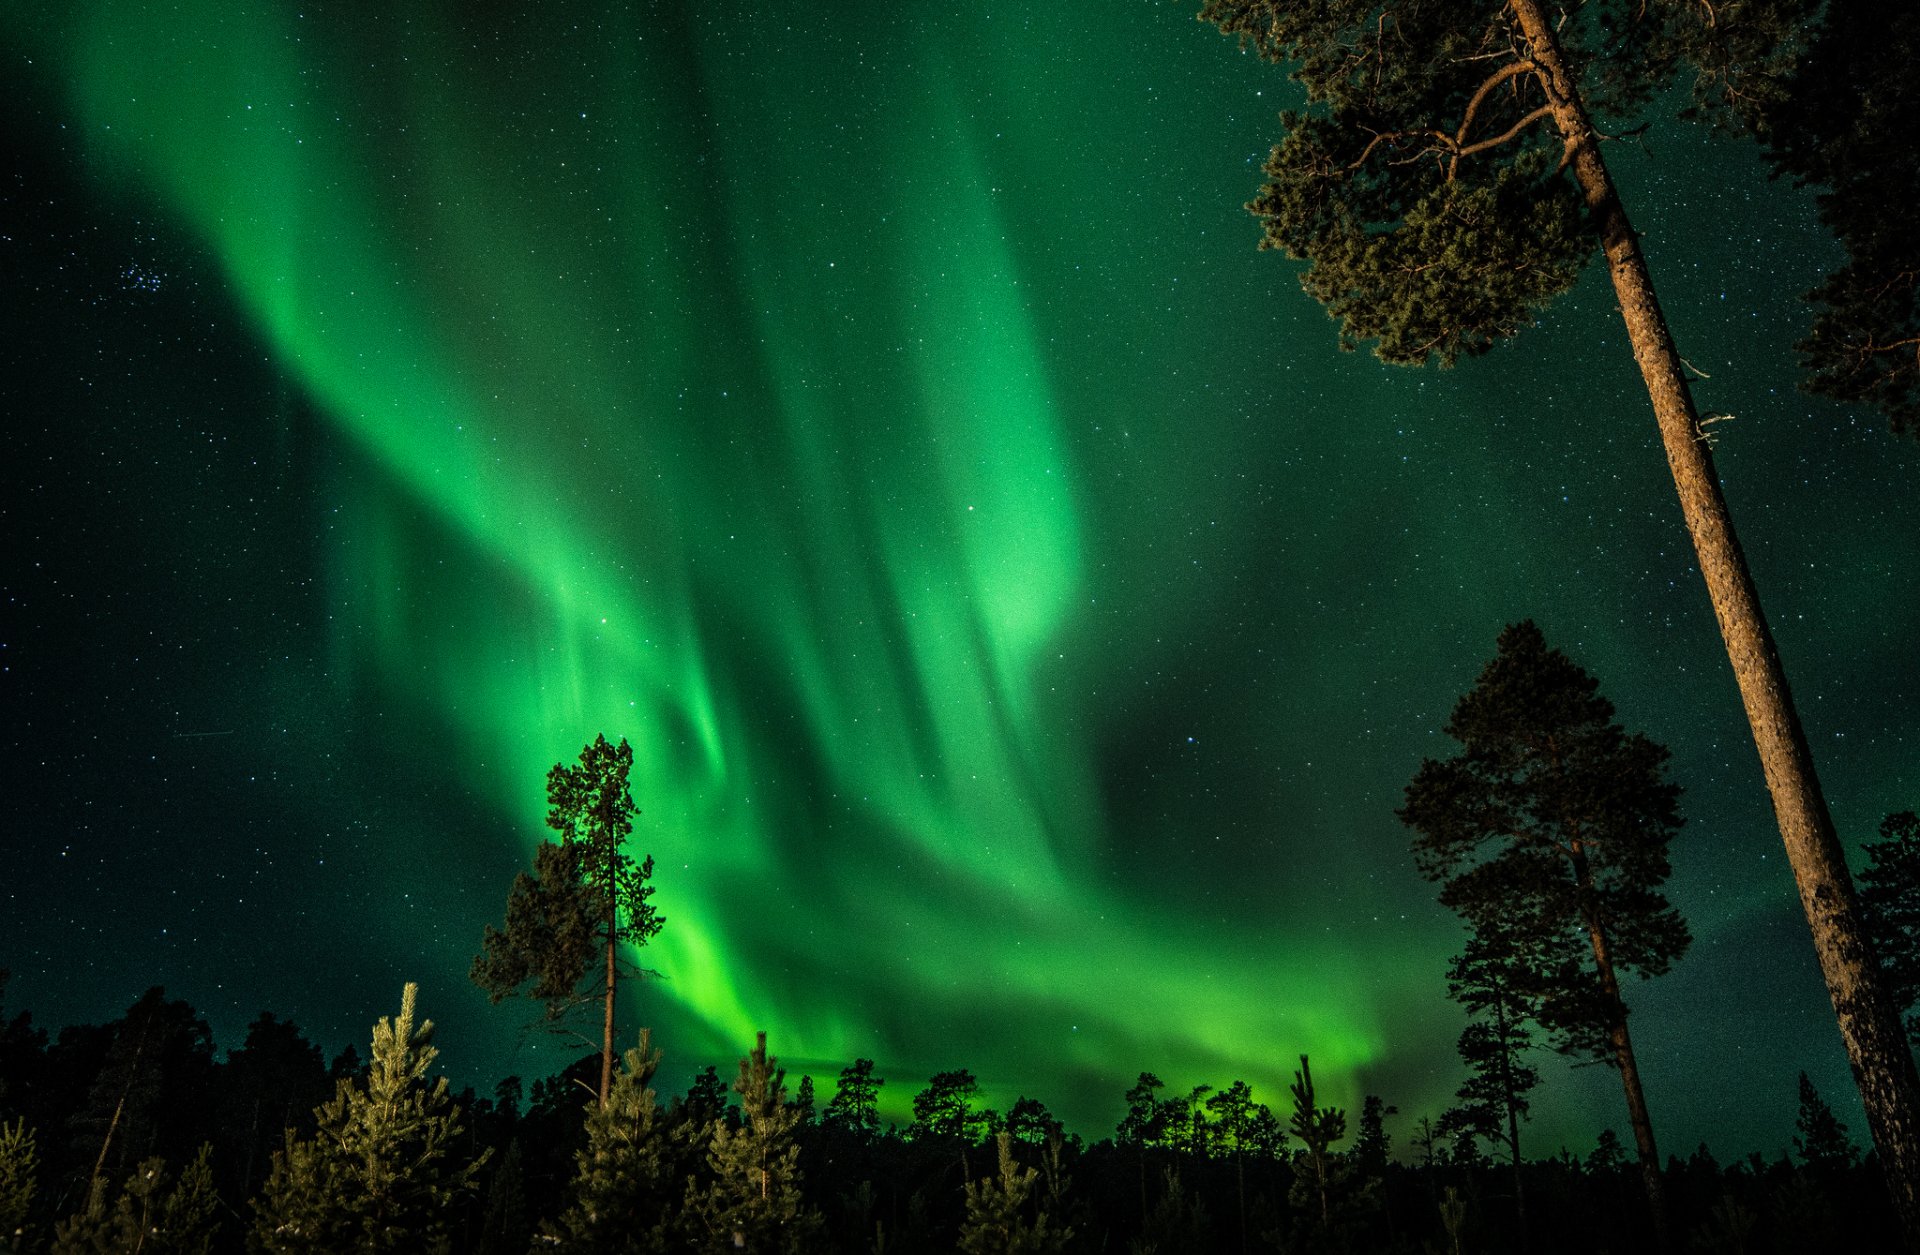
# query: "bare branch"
1504,136
1480,94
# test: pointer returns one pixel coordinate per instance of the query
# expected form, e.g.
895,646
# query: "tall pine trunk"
613,943
1883,1065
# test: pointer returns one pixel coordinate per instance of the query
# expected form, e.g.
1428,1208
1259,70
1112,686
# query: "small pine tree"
997,1223
148,1216
19,1181
618,1201
753,1201
378,1174
1318,1128
190,1218
1821,1141
1607,1156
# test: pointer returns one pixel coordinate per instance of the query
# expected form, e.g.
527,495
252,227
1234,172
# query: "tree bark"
1883,1066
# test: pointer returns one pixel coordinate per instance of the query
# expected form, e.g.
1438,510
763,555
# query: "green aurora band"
786,395
792,489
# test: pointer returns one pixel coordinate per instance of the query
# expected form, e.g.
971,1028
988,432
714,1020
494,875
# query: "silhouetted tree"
1234,1128
1890,901
269,1085
150,1094
1445,183
1031,1124
1820,1139
945,1108
1844,124
506,1228
1607,1155
23,1051
1143,1127
1549,835
855,1105
1318,1128
706,1098
585,896
379,1173
1489,978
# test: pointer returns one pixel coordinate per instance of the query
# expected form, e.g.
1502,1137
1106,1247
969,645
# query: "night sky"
1025,618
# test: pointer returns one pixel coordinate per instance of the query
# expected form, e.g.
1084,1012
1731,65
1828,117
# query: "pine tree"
998,1220
1844,124
1821,1139
624,1185
1608,1155
19,1181
1143,1127
148,1215
1233,1123
1890,901
585,897
1318,1128
378,1174
1488,978
754,1201
944,1109
150,1093
1447,180
854,1106
1549,835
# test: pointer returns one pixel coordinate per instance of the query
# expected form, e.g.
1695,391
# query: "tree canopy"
586,897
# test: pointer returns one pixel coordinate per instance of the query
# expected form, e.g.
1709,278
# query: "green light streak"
750,450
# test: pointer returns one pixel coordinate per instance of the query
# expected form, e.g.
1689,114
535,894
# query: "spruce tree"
754,1200
1549,834
1447,180
379,1173
1001,1218
1820,1139
624,1186
585,898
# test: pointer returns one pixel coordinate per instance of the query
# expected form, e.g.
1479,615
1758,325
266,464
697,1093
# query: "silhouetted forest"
140,1135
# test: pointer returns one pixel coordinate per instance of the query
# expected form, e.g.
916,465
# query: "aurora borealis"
1024,618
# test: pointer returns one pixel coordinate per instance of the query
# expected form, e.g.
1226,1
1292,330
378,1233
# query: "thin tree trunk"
1513,1114
1883,1066
1623,1057
606,1026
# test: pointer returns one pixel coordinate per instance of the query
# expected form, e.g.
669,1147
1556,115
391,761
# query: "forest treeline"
136,1136
1547,834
